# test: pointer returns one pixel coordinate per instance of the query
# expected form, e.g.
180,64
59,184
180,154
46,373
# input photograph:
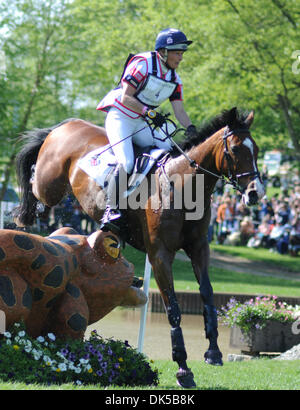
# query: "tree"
33,41
63,56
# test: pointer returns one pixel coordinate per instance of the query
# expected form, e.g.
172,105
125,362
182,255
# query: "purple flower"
64,352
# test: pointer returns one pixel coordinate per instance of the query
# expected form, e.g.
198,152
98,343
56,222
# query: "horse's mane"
234,118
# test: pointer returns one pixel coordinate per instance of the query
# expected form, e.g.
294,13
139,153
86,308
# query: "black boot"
112,215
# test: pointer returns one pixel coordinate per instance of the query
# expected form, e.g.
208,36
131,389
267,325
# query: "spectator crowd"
273,224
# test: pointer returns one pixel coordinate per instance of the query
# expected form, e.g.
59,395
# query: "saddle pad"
98,164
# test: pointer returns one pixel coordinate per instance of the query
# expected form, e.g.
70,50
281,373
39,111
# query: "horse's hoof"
185,378
213,357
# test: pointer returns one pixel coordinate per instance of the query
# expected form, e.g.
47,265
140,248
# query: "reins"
231,179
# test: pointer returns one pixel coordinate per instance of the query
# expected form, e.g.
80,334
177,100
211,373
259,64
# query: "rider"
148,80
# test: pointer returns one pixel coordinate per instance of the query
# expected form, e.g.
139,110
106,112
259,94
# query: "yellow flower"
58,370
121,359
90,370
16,347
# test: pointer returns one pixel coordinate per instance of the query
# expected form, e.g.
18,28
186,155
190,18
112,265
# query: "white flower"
36,354
77,370
22,333
47,359
8,342
7,334
51,336
17,324
62,367
71,366
78,382
27,349
87,367
40,339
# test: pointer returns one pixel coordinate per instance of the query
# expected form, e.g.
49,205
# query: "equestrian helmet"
172,39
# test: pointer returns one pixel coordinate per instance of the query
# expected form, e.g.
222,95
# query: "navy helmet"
172,39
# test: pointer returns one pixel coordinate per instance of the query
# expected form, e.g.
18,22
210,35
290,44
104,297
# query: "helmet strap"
164,57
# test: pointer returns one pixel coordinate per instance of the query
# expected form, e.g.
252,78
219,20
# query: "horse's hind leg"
198,251
161,263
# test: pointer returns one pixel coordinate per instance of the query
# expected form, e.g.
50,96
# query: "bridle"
232,177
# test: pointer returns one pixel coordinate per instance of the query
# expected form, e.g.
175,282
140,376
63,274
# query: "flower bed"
261,324
48,360
255,313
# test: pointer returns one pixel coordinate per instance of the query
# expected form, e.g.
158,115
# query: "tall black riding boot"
112,215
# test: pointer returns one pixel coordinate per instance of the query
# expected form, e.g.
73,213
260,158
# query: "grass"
259,374
222,280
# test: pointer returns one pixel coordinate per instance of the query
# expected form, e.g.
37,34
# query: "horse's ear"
232,117
249,119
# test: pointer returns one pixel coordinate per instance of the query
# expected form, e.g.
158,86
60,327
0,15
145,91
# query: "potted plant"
261,324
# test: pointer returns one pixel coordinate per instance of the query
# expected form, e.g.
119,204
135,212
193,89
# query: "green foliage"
47,360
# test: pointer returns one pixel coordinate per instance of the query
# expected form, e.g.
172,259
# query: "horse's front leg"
161,262
198,251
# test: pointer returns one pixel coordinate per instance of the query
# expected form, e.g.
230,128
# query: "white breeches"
119,126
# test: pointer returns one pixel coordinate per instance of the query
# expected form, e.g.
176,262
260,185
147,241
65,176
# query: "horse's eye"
235,149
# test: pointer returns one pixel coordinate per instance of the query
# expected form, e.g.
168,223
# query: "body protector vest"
152,91
155,90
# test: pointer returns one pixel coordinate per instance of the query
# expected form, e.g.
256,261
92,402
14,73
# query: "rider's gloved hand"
191,131
157,118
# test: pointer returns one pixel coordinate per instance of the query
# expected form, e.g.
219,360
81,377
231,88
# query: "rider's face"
174,58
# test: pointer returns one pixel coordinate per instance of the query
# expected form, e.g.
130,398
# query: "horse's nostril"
253,197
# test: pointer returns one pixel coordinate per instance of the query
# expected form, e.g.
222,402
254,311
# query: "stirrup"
110,220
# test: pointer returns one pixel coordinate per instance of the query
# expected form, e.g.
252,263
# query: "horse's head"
240,154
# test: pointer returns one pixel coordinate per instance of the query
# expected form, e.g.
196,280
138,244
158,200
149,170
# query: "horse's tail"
26,212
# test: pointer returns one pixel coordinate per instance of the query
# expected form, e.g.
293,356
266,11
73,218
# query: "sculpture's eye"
112,246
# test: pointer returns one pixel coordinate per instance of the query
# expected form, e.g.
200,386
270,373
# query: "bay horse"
224,148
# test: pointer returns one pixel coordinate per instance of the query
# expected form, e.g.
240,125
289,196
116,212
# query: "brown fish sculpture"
64,282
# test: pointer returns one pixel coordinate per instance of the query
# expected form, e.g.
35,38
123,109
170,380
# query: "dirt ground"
237,264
